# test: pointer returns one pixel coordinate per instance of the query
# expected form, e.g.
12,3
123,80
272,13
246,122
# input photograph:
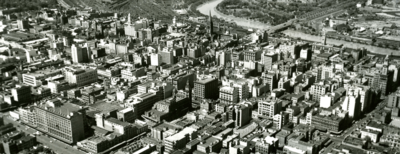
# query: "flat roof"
116,121
126,110
60,108
209,141
388,37
181,134
206,80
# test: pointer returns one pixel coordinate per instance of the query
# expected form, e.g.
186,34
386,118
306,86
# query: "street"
362,122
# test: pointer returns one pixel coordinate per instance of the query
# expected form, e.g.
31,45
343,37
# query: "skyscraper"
243,114
79,54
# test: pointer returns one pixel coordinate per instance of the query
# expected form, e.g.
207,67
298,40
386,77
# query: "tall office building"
268,59
155,59
21,94
365,95
327,71
242,87
223,57
306,54
280,120
22,24
79,54
270,79
318,89
352,104
379,78
167,56
64,121
206,88
243,114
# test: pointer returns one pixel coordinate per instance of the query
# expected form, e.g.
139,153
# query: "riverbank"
211,6
352,45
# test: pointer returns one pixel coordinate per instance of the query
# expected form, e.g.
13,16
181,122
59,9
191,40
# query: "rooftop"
118,122
60,107
181,134
206,80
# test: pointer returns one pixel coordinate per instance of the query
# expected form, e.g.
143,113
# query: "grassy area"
272,12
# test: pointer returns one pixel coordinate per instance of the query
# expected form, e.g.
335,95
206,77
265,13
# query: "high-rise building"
243,114
379,78
241,85
270,79
394,99
352,104
223,58
205,88
22,24
280,120
327,71
268,59
64,121
155,59
167,56
21,94
326,100
194,52
365,95
79,54
319,89
306,54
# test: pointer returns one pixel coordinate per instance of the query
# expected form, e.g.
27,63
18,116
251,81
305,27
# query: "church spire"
129,18
211,23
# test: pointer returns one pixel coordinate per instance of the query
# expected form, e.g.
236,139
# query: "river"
212,6
352,45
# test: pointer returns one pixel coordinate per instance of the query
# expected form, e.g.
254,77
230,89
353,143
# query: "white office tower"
155,59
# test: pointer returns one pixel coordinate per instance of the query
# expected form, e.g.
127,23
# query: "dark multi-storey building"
21,94
206,88
270,79
268,59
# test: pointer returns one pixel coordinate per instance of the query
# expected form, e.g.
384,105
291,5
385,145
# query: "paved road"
56,145
360,122
313,38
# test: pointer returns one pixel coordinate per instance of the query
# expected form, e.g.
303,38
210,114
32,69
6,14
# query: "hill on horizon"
142,8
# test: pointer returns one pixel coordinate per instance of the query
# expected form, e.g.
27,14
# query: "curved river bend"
212,6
